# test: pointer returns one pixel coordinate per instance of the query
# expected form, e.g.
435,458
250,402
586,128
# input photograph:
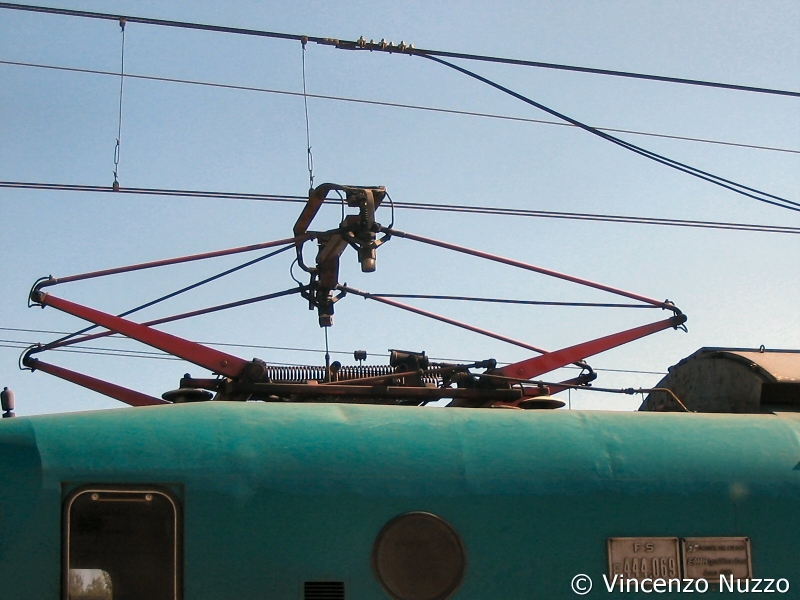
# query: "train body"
310,501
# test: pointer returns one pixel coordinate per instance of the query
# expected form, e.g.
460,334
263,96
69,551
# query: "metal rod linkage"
534,268
49,281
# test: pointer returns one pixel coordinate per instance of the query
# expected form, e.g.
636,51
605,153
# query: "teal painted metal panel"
277,494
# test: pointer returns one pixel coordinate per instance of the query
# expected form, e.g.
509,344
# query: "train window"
121,544
418,556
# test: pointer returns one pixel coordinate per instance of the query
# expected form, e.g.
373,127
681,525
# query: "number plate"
709,557
644,558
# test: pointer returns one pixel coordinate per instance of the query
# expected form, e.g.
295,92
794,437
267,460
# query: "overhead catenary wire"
28,343
723,182
388,47
100,351
450,208
366,101
731,185
96,352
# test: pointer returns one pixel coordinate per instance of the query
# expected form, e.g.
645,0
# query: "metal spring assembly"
305,373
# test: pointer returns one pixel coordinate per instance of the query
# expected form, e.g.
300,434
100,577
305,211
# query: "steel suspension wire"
27,344
388,47
663,78
207,343
395,105
118,147
695,172
310,157
314,350
454,208
96,352
522,212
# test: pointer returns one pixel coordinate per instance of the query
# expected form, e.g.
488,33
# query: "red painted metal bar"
178,317
441,318
529,267
214,360
533,367
168,261
117,392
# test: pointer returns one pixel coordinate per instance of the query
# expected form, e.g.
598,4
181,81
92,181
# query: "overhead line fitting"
384,46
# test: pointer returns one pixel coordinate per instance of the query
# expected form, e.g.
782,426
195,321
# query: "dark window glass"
123,544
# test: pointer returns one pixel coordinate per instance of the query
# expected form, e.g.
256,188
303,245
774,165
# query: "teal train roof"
408,451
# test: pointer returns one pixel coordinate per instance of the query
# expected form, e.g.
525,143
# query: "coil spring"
304,373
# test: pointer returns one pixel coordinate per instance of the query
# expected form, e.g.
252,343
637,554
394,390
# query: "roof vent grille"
324,590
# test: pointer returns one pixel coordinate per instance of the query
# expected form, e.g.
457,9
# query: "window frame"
177,512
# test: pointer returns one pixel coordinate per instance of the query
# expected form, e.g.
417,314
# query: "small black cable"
391,204
710,177
291,273
512,301
341,202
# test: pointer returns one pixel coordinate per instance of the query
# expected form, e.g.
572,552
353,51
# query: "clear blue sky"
739,289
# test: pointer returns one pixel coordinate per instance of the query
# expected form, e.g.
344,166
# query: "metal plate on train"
644,557
709,557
